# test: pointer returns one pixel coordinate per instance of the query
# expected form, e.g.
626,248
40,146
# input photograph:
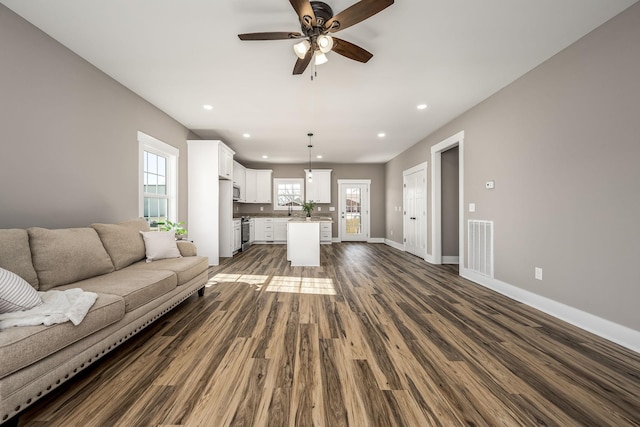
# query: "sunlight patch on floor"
301,285
286,284
251,279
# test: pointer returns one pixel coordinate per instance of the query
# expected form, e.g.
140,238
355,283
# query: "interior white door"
415,212
354,210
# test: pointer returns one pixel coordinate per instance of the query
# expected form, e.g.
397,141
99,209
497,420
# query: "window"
288,193
158,180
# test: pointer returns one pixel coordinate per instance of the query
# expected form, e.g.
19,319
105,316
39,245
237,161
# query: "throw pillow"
16,294
160,245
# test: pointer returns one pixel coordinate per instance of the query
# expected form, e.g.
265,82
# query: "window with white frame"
158,181
288,193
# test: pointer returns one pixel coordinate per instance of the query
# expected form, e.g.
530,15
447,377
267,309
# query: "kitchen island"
303,241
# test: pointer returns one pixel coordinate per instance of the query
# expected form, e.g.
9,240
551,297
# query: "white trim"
456,140
376,240
394,244
607,329
277,181
367,207
151,144
450,259
418,168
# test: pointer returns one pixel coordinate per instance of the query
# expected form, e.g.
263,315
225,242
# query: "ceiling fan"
317,21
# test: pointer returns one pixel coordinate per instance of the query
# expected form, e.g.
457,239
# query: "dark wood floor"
374,337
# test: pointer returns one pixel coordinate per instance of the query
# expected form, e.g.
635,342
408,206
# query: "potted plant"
308,207
176,227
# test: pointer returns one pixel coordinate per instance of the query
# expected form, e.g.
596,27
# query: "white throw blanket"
56,307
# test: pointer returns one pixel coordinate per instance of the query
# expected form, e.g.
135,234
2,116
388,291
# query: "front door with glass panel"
354,211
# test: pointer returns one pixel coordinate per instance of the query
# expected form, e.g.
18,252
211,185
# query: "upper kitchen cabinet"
240,179
225,161
258,184
319,189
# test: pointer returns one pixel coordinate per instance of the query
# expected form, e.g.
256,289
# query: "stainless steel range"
245,232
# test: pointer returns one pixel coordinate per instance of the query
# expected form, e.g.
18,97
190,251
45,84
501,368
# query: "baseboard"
395,245
450,259
606,329
376,240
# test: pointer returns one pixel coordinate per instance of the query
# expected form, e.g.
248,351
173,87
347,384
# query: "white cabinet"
325,232
280,229
225,162
303,243
210,200
319,189
258,183
252,230
237,235
251,190
264,229
240,179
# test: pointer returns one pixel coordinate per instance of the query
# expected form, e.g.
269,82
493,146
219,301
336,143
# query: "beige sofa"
107,259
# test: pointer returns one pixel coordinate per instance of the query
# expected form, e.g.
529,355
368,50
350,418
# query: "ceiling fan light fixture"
301,48
325,43
321,58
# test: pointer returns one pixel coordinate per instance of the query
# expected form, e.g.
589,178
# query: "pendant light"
310,175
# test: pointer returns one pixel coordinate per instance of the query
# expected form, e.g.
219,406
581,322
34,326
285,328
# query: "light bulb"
325,43
301,48
321,58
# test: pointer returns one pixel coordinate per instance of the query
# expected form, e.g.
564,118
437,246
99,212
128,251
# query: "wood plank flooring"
374,337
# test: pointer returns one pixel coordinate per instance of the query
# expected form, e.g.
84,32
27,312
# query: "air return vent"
480,245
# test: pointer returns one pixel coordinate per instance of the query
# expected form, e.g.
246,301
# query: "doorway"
354,219
415,210
456,140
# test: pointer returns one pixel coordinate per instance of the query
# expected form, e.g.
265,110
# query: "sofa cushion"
67,255
123,241
15,254
186,268
160,245
136,287
16,294
25,345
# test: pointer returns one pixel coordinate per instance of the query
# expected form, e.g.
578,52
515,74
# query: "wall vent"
480,246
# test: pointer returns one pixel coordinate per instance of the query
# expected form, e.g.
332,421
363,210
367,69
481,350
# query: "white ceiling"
449,54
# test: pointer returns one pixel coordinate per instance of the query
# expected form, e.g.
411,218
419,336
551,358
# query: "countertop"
293,217
313,219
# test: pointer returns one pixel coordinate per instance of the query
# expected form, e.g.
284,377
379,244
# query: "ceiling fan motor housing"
322,11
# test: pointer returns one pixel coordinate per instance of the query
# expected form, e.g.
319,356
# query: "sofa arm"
187,248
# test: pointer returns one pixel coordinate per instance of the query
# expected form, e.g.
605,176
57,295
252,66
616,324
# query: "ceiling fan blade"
350,50
303,8
355,13
280,35
301,64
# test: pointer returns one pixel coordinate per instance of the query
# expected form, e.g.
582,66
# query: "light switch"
319,208
332,209
472,207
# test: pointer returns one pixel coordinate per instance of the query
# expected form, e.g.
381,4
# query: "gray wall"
562,144
68,135
375,172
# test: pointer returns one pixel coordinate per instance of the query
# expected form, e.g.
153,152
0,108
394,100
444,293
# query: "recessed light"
265,157
382,135
422,107
207,107
318,156
246,135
